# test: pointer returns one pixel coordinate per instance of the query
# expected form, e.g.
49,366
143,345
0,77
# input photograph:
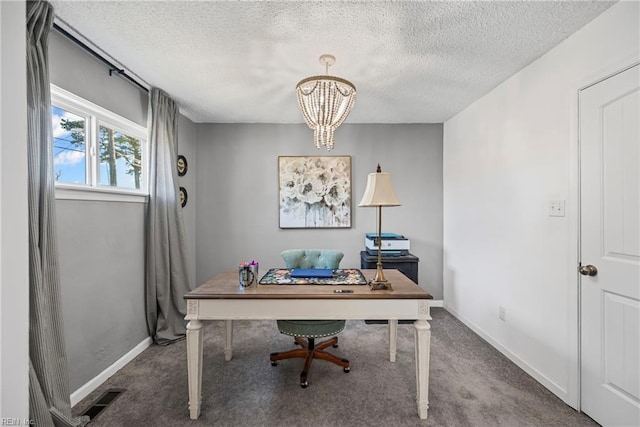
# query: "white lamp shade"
379,191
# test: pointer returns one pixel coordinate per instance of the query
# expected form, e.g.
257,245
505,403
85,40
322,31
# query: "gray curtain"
49,400
167,273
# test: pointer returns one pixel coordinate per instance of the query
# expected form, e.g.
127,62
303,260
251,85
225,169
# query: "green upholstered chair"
306,331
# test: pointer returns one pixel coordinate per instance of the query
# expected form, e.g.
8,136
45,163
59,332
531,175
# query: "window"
120,158
94,149
69,146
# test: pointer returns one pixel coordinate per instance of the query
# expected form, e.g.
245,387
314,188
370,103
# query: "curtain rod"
113,69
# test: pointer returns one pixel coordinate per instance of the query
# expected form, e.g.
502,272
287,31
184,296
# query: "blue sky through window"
69,147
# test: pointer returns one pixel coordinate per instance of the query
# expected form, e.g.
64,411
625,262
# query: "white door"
610,249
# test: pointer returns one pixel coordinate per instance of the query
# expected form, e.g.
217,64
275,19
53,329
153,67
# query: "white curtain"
49,401
167,274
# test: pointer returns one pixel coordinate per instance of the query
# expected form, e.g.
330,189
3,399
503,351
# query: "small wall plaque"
182,165
183,196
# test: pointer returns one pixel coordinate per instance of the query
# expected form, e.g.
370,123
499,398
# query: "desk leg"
194,367
423,344
393,339
228,343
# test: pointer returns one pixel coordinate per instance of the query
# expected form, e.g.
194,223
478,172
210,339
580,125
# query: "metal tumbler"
256,276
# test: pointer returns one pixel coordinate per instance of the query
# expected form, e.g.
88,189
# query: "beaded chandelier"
325,102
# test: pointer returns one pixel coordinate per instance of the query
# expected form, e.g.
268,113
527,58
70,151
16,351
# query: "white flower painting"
315,192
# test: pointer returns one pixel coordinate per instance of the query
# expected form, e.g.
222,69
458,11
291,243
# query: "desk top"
225,286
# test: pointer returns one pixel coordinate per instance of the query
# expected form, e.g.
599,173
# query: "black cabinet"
407,264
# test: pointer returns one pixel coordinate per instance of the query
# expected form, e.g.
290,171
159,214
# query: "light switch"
556,208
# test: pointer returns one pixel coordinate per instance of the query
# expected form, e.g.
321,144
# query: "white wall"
14,267
505,157
237,201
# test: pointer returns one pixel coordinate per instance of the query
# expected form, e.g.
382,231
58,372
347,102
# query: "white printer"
392,244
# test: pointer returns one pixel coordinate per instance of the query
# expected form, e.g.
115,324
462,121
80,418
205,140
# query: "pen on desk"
343,291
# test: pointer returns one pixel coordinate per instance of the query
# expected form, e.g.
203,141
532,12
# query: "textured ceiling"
411,61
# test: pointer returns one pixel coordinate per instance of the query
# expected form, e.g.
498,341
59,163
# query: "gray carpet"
471,383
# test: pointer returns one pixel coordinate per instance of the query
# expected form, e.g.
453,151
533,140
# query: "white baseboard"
537,375
97,381
436,303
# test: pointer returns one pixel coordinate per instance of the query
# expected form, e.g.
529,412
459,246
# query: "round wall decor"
182,165
183,196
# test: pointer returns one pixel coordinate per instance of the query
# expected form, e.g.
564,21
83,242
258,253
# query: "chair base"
309,351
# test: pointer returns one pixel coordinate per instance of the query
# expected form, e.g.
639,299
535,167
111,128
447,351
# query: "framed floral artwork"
315,191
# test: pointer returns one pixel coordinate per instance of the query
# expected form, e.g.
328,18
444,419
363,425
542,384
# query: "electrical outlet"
556,208
502,314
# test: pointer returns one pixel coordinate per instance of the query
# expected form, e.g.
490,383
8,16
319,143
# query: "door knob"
588,270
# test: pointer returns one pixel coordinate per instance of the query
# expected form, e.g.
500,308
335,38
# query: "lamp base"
379,282
380,286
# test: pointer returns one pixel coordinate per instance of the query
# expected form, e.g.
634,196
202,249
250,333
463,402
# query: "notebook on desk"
312,272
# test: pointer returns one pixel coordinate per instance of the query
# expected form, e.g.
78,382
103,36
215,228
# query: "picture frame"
314,191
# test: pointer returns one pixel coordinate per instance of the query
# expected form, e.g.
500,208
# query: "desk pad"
282,276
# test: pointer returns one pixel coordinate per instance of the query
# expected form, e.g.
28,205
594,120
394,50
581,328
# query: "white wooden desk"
221,298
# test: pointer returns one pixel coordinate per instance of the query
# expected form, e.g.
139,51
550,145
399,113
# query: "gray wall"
101,247
101,244
187,131
237,201
75,70
233,205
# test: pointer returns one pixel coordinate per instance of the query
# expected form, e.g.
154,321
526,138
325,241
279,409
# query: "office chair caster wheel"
274,363
347,369
304,384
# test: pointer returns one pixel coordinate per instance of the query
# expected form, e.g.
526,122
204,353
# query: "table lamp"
379,193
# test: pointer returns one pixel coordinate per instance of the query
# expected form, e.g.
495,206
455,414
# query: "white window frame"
96,116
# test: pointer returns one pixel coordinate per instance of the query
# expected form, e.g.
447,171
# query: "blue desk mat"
282,276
